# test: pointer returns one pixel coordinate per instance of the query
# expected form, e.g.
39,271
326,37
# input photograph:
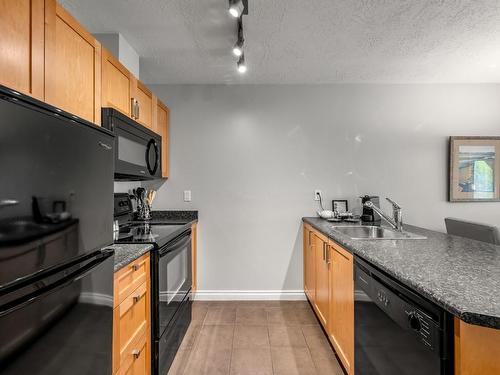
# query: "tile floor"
254,338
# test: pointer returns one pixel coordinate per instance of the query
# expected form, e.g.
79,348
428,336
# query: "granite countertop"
458,274
126,253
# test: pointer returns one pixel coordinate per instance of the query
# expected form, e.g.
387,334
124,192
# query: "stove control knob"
414,322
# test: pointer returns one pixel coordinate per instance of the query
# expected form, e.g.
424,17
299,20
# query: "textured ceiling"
300,41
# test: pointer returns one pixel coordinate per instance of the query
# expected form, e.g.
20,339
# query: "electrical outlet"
187,195
317,195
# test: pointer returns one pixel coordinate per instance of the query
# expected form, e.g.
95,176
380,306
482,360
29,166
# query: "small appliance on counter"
369,215
171,276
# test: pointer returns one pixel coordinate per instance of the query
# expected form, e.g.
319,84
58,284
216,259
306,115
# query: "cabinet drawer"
130,277
137,360
131,323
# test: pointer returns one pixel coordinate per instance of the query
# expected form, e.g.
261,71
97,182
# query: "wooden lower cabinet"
329,286
477,349
132,319
322,273
341,328
309,265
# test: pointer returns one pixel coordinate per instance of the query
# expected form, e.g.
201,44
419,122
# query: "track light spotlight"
236,8
238,47
242,66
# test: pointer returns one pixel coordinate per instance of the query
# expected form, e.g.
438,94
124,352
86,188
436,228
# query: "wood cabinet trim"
194,256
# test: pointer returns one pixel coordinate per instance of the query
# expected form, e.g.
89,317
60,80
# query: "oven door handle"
178,243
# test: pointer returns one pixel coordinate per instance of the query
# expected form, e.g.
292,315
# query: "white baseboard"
242,295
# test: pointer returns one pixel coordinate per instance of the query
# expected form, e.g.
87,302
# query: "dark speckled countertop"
460,275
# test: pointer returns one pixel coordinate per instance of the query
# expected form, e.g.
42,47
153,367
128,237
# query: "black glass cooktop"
155,234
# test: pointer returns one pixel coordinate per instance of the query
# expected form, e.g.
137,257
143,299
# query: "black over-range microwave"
137,149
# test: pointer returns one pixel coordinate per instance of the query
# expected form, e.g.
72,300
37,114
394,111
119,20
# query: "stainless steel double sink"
372,232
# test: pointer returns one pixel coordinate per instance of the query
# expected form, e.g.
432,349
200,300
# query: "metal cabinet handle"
136,299
327,255
135,267
324,256
132,107
136,353
138,113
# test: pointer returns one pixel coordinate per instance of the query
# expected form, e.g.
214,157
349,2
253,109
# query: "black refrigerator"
56,215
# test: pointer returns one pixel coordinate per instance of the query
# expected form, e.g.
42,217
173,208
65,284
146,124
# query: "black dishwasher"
398,332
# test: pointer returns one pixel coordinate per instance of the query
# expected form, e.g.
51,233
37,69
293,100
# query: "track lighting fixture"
242,66
236,8
238,47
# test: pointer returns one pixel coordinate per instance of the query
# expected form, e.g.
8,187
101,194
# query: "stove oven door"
174,278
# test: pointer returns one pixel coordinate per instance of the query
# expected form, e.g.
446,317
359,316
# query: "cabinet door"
22,46
322,271
72,65
162,128
117,83
309,272
144,99
136,360
341,330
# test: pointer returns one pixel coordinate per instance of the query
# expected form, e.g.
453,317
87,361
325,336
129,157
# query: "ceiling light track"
238,8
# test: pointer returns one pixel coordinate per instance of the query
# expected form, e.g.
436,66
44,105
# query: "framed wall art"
474,169
340,206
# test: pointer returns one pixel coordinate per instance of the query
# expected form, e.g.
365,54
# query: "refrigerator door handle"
100,257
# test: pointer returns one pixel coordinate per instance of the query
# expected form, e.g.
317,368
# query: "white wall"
252,156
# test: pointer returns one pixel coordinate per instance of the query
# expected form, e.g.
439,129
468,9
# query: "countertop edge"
469,317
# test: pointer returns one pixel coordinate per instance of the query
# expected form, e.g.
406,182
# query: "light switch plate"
187,195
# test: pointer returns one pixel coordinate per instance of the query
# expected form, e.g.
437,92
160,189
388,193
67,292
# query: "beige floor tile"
251,362
288,336
325,361
251,315
220,315
292,361
306,316
251,336
180,362
199,312
281,316
208,360
315,337
191,336
220,336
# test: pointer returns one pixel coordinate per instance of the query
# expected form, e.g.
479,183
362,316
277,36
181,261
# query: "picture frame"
474,169
340,205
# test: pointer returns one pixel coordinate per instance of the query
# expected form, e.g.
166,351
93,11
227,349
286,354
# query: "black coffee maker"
369,215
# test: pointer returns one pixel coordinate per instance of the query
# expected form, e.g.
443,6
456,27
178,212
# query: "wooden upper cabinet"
341,327
162,128
72,65
22,46
309,272
322,272
144,98
117,84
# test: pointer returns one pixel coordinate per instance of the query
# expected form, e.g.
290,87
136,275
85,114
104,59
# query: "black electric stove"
157,234
171,279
